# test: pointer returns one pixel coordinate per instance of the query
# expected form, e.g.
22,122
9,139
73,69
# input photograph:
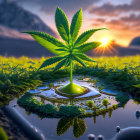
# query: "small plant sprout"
90,104
72,49
105,102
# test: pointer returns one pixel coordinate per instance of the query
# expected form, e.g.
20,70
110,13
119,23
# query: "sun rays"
107,46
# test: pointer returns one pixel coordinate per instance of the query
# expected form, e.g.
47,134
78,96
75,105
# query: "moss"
122,99
105,102
11,90
31,104
19,78
90,104
70,111
47,110
100,111
80,78
51,85
137,99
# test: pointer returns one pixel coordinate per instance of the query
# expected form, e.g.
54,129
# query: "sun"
106,46
105,41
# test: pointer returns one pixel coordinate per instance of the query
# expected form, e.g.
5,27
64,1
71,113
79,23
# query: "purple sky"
122,17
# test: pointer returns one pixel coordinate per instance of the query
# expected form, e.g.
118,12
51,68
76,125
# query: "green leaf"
76,24
85,36
84,57
88,46
137,86
79,60
79,127
64,50
67,62
60,64
62,24
63,125
50,61
64,46
63,54
47,41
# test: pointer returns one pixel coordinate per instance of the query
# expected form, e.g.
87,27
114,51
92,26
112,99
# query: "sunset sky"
121,17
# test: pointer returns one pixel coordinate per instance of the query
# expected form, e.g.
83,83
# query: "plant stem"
71,79
71,101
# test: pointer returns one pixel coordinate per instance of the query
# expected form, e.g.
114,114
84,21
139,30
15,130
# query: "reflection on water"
79,128
123,117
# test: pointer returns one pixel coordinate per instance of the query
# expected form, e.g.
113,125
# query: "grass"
17,75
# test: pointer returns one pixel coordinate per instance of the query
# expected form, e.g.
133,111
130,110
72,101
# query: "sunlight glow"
106,47
105,41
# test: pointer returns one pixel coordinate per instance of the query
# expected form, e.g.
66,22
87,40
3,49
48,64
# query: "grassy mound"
71,88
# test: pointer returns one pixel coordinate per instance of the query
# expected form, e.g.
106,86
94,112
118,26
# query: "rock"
91,137
118,129
137,114
130,133
100,137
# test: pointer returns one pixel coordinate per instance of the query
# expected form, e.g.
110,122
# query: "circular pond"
80,127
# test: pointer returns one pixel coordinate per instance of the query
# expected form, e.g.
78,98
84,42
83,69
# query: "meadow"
17,75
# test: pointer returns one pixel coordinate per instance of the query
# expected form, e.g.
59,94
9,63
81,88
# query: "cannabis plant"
73,47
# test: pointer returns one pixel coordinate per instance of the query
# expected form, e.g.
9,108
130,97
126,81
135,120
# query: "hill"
13,20
16,18
135,42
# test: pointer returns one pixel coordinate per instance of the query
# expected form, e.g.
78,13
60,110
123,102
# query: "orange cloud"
124,29
122,20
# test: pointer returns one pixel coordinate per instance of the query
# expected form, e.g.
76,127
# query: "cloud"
124,29
136,5
132,19
131,22
109,9
49,6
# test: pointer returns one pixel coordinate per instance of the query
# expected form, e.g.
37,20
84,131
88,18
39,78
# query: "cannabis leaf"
74,47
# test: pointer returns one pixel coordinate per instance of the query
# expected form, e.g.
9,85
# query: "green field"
17,75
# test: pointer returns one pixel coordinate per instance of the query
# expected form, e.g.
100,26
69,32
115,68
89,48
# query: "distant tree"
105,102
